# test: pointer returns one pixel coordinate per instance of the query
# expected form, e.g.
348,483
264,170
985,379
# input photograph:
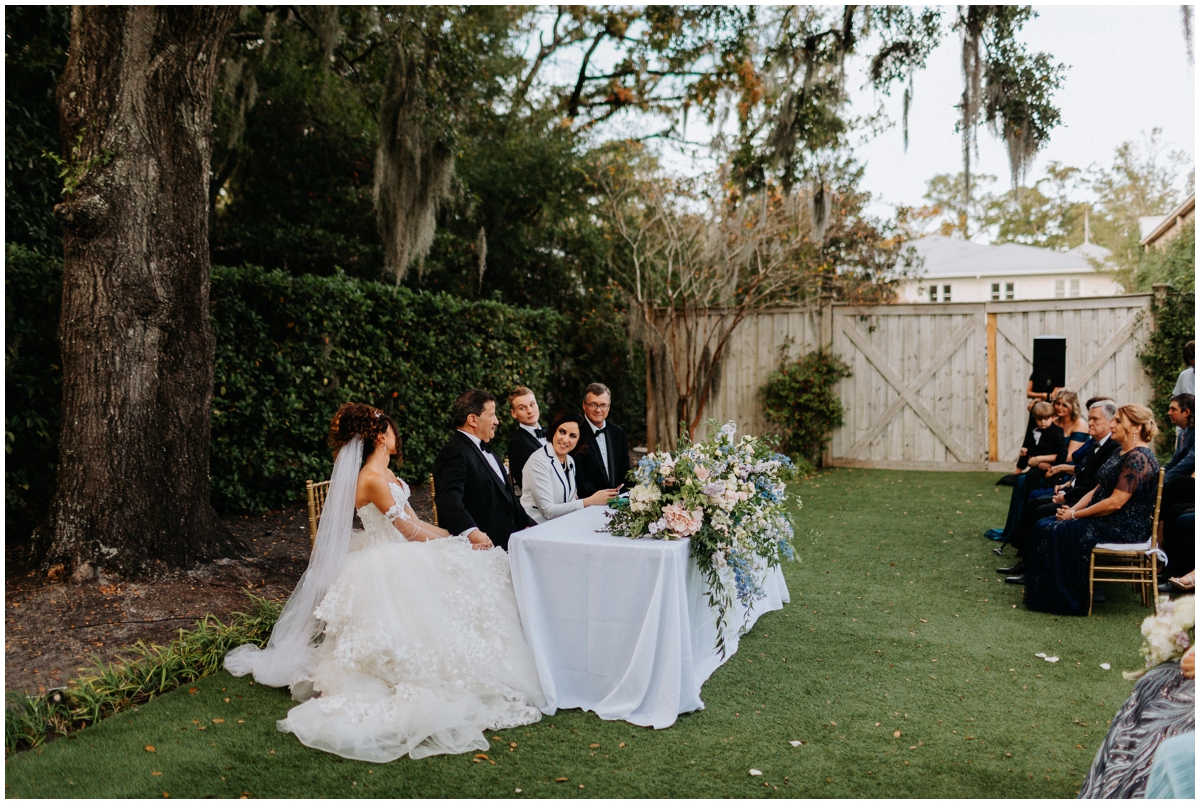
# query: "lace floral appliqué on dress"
422,649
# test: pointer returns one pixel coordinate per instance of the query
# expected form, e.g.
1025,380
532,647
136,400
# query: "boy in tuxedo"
529,437
602,455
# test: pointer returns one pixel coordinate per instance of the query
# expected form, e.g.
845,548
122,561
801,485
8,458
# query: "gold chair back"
316,504
433,500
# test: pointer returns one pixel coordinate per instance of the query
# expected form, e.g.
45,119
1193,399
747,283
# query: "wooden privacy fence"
937,386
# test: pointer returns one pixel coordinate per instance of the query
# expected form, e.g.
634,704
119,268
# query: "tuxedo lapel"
485,466
610,448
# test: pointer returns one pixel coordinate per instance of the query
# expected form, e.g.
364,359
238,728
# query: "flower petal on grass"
1105,666
1040,655
755,772
796,743
1052,659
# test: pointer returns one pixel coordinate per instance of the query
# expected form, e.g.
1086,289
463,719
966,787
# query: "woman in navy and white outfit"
549,474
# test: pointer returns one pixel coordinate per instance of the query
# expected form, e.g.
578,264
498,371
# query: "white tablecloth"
620,627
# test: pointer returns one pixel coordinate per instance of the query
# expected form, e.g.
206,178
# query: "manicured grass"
896,619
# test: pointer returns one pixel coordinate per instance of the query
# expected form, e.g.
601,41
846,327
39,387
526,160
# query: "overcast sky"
1128,74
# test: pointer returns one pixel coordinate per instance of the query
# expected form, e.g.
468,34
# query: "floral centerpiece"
1169,632
729,498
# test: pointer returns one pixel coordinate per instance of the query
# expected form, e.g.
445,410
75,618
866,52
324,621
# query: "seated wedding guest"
1185,383
1179,543
1162,706
1173,769
1069,416
1042,446
1178,485
1118,510
1091,458
529,437
550,474
603,453
1034,397
1062,472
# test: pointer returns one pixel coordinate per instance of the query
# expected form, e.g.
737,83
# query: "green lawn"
897,624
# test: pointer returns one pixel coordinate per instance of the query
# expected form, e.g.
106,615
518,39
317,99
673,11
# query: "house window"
1060,289
1010,291
1074,288
995,291
933,293
945,293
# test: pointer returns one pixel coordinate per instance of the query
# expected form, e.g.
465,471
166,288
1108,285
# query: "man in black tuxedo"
602,454
530,437
1099,451
474,493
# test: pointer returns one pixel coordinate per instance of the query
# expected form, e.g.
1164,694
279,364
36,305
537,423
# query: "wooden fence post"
993,392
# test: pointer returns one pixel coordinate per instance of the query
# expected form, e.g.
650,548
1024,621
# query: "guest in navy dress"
1119,509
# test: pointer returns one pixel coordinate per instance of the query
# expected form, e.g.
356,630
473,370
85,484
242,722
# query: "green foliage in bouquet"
730,499
799,397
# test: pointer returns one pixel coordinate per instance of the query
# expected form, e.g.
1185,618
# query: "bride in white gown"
400,638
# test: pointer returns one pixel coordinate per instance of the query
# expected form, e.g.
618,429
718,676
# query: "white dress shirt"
549,490
601,445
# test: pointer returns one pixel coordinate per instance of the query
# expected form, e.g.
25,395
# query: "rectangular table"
620,627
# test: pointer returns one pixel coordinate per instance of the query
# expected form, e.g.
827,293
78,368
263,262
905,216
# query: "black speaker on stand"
1049,363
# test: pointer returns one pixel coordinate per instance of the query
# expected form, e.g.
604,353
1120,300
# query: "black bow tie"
486,447
539,432
600,432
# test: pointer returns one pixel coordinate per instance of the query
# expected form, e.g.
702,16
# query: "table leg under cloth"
620,627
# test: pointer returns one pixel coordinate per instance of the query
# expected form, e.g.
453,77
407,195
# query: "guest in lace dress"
1119,509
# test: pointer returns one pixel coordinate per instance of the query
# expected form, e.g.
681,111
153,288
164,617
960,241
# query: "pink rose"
682,521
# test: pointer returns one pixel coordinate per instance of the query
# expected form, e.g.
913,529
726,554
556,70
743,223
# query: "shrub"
799,397
1162,356
290,350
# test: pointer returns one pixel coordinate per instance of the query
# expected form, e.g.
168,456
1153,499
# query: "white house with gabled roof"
962,271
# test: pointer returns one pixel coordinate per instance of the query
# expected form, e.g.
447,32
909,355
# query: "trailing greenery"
30,720
799,397
1174,264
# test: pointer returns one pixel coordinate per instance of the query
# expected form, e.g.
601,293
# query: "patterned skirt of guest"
1163,704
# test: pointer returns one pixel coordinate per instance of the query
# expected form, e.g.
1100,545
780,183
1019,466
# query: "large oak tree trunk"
135,105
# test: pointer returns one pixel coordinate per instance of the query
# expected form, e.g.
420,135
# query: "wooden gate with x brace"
943,386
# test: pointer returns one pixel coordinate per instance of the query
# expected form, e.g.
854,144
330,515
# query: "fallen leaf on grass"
562,779
150,749
924,621
518,790
896,733
481,756
156,773
620,745
218,720
241,721
1008,754
193,691
755,772
594,745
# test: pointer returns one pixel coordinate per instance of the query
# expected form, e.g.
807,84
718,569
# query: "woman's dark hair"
366,422
471,403
565,417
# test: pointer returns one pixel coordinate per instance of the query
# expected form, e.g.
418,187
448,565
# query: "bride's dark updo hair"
366,422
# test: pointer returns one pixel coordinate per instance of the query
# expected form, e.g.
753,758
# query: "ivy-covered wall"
289,351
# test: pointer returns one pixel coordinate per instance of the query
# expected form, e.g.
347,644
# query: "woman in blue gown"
1119,509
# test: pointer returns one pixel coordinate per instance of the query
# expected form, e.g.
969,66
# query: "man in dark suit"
474,494
602,454
1102,448
529,437
1178,485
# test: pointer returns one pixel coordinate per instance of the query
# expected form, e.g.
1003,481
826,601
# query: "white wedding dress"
422,649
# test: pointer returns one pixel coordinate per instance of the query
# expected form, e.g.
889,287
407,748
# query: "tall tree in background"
135,104
1006,87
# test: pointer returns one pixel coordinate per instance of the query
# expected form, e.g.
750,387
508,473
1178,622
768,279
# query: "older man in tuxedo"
474,492
602,454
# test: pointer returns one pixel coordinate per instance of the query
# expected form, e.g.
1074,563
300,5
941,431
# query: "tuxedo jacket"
1085,474
469,493
590,466
520,447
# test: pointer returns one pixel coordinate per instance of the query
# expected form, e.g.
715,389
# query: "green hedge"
289,351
